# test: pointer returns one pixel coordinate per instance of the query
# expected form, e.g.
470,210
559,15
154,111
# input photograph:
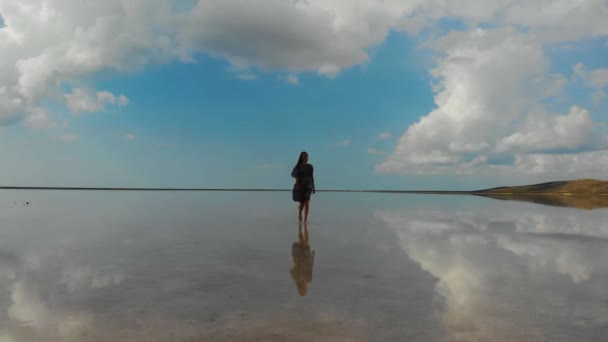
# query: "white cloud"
10,107
595,79
292,79
486,81
588,164
56,41
83,100
384,136
46,44
39,118
598,78
314,35
49,44
581,165
471,105
130,136
544,131
559,20
68,137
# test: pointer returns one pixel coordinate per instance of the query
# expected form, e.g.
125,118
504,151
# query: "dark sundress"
303,189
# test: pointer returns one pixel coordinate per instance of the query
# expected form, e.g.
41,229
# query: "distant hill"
571,187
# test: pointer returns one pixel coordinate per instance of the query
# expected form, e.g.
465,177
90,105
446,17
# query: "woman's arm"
294,172
312,176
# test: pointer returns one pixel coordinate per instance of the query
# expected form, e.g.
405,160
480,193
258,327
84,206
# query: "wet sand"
222,267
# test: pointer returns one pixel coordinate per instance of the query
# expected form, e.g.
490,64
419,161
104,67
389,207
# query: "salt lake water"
236,266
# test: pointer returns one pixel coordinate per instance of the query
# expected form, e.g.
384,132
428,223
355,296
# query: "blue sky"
214,105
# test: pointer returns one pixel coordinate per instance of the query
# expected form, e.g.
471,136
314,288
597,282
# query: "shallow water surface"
163,266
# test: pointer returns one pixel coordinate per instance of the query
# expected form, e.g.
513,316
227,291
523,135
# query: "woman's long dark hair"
300,158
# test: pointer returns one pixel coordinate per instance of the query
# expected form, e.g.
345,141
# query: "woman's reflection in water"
303,260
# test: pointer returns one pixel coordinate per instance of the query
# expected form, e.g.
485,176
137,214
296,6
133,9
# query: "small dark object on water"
28,203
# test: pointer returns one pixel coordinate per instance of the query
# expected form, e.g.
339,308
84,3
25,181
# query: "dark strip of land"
223,189
580,187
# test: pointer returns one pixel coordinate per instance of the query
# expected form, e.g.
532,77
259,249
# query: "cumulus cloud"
47,45
82,100
486,81
11,107
593,164
543,131
314,35
559,20
39,118
595,79
50,44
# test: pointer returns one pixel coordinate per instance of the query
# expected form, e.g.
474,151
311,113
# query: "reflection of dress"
303,259
302,190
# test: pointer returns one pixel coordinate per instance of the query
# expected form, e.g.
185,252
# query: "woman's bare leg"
300,210
306,233
306,207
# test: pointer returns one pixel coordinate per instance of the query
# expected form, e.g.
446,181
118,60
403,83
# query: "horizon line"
224,189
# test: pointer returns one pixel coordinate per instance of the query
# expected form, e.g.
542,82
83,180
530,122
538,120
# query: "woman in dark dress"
305,184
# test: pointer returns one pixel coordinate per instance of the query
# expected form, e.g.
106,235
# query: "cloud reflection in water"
530,274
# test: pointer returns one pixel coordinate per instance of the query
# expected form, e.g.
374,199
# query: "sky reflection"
512,272
156,267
